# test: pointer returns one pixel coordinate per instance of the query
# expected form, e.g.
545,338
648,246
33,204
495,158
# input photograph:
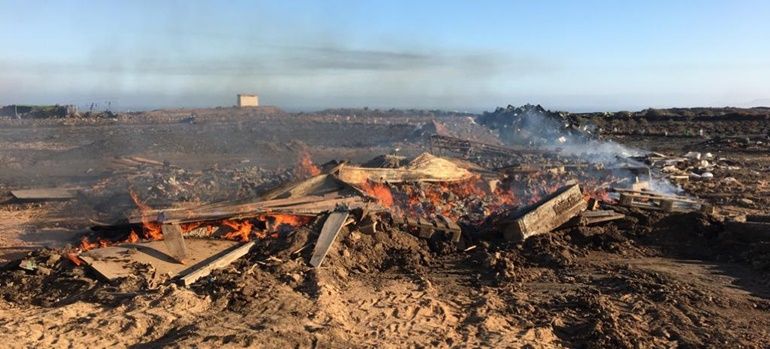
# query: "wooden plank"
218,262
44,194
329,232
553,211
119,261
172,237
593,217
424,168
303,206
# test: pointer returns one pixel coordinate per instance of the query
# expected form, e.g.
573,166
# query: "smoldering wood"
547,215
424,168
425,228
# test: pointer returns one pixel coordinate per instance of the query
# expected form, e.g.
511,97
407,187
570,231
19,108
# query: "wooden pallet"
660,202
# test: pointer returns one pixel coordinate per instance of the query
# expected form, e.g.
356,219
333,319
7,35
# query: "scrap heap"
449,201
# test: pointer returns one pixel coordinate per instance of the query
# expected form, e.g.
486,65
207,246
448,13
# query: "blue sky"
469,55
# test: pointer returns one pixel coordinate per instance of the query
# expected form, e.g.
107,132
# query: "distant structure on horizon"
248,101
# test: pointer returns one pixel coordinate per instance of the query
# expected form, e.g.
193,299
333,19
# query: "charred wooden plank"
426,228
451,229
547,215
331,228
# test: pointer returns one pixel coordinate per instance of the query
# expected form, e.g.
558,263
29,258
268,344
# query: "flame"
305,166
380,191
151,229
291,220
132,237
86,245
241,229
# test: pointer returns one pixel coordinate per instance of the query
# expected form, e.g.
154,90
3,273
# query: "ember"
380,191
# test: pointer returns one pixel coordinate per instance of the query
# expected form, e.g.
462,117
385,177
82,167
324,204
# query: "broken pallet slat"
219,262
44,194
172,237
329,232
549,214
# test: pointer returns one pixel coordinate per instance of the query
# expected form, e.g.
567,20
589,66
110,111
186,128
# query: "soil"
649,280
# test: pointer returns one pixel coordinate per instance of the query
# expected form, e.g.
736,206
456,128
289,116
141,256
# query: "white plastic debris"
693,155
562,139
669,169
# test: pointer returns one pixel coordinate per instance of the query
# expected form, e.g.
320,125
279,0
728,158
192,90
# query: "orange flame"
152,230
305,166
280,219
86,245
241,229
132,237
380,191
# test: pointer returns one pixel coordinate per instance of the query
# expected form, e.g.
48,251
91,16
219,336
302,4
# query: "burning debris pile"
447,201
547,207
551,174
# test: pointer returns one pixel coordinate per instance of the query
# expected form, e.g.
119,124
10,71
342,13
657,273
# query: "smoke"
534,127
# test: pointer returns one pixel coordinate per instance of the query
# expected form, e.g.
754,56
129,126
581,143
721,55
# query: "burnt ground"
650,280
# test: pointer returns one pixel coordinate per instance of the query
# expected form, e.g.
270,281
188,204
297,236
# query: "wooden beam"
329,232
172,237
547,215
220,262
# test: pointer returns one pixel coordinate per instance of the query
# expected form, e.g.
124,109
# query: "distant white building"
248,101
